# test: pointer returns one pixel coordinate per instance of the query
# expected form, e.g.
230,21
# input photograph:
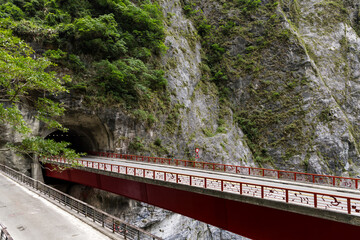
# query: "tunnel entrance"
78,141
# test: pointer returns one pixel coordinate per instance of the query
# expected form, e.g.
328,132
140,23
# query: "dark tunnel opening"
78,141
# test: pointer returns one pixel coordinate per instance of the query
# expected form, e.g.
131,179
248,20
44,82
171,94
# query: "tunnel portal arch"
85,133
78,140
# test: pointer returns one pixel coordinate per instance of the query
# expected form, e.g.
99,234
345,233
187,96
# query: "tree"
25,79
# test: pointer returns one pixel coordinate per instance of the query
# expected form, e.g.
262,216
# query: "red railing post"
286,195
333,181
222,185
153,174
313,177
165,176
177,178
348,206
204,182
356,183
190,181
224,168
249,171
240,188
111,167
263,172
262,191
278,174
315,200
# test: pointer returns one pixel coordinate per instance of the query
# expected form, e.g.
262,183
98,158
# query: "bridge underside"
249,220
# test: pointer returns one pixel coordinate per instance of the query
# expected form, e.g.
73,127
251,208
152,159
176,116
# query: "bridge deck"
305,187
254,207
310,195
320,179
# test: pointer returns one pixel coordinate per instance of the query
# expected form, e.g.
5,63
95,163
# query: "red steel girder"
249,220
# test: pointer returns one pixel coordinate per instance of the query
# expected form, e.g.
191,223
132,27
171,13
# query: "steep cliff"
267,83
292,71
328,31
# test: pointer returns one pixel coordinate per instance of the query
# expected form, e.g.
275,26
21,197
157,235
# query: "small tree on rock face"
23,78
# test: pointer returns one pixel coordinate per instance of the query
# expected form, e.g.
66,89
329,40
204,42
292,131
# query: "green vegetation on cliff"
244,43
108,46
25,80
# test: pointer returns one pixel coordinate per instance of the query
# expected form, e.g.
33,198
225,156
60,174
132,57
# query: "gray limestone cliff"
293,79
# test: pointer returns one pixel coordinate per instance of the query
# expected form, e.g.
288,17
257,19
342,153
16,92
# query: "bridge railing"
342,182
288,195
4,235
107,221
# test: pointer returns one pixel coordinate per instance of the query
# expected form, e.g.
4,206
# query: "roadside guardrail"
104,219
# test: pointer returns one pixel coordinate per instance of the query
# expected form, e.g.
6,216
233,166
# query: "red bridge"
253,202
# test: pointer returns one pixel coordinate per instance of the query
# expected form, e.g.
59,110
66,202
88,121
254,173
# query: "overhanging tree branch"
20,76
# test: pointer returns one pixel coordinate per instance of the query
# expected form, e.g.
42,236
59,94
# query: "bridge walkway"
28,216
229,177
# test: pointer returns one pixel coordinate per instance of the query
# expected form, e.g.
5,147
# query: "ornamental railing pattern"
329,202
328,180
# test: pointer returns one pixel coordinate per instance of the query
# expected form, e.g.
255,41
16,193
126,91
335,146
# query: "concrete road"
28,216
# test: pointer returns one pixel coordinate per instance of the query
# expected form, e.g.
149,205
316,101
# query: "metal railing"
323,201
107,221
4,235
328,180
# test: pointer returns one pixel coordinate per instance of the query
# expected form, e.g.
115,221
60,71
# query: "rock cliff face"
292,76
328,31
293,71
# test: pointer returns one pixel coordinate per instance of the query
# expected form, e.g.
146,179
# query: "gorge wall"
262,83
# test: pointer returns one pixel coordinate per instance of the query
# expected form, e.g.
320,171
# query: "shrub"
129,79
157,142
136,144
10,10
95,36
55,55
248,5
